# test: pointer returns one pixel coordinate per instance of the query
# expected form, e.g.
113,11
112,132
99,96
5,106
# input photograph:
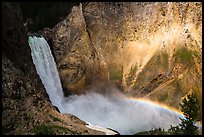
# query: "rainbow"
160,106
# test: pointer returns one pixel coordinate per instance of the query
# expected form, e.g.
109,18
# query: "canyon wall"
26,108
150,49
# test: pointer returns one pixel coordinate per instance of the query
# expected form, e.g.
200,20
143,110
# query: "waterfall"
46,69
115,110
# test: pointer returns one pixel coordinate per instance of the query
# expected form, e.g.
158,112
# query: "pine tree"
190,109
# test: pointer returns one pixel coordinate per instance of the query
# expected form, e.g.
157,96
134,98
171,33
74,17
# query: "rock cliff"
26,108
149,49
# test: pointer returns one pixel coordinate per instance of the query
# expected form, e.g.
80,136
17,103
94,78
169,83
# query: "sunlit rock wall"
147,49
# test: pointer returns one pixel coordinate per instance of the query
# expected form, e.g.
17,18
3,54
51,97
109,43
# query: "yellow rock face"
148,49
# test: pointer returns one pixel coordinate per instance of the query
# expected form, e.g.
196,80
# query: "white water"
46,69
119,113
112,110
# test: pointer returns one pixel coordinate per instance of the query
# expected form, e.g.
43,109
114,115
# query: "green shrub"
56,118
51,130
183,55
43,130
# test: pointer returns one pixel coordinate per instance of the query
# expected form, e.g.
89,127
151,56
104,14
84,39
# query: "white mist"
111,110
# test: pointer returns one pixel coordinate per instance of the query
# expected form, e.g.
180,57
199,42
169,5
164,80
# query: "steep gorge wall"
26,108
150,50
147,49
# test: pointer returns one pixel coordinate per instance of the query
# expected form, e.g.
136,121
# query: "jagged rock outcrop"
14,37
26,108
78,62
148,49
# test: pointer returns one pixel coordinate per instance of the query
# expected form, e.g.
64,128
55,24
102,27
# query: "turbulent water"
119,113
46,69
112,110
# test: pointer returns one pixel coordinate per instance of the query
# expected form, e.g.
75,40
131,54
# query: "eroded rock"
130,44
